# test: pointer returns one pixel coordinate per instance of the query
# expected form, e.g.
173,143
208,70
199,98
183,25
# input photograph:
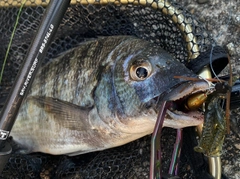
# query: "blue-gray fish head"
142,77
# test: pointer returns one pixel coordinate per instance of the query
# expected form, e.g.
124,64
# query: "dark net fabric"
80,23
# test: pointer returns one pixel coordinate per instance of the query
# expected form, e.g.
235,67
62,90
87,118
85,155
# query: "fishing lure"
215,125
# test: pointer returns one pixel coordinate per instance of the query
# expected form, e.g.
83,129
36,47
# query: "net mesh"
85,20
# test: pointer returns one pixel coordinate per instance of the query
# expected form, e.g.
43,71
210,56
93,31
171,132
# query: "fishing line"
11,38
211,53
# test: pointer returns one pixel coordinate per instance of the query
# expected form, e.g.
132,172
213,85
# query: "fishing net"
168,25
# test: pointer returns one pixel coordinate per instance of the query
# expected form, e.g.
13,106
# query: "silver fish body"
99,95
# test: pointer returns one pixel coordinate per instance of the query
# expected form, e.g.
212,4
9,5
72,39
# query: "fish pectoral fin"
64,113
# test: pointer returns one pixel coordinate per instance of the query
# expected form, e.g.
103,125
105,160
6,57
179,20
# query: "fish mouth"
177,116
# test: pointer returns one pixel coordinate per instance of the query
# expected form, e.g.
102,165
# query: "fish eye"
140,70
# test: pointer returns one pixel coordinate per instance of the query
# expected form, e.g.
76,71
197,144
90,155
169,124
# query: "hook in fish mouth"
177,116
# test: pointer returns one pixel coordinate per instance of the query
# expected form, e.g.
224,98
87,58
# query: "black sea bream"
101,94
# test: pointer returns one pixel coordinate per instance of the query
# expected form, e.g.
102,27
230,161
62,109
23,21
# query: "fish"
102,94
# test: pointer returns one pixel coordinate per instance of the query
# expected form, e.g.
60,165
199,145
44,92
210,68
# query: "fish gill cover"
83,20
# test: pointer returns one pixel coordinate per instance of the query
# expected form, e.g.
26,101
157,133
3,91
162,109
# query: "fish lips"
177,117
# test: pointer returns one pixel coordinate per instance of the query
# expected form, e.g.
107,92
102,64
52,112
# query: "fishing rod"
37,51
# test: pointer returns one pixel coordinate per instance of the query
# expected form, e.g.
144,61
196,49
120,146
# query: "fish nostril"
159,66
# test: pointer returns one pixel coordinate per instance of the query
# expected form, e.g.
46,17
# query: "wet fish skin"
85,100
